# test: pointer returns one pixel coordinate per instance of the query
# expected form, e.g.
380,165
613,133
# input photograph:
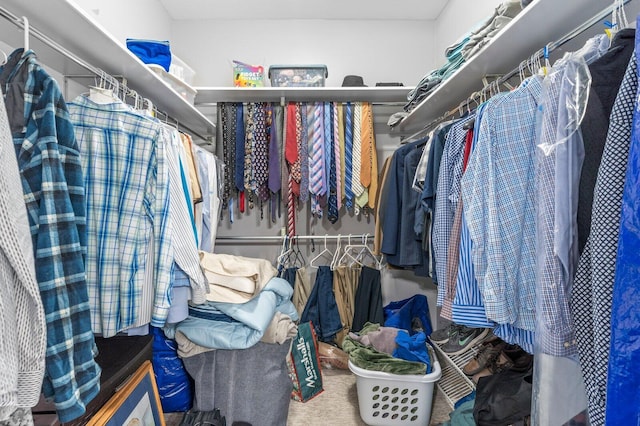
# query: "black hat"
353,81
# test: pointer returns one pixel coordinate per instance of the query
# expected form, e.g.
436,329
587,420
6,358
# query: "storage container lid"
300,67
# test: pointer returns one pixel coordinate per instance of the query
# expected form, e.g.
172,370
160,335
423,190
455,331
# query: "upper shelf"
540,23
73,28
211,95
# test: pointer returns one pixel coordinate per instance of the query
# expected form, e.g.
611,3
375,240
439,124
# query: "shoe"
500,363
485,357
522,360
441,335
463,339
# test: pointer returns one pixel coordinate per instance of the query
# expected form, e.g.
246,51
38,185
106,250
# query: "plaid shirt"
499,205
127,209
52,182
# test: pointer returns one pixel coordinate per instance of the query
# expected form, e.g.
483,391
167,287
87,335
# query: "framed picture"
136,403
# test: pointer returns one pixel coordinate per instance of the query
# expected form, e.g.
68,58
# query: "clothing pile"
463,50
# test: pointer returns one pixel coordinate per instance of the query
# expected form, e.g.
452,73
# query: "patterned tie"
260,152
317,163
304,154
328,146
248,152
373,186
348,155
291,209
226,185
332,206
296,169
337,119
240,135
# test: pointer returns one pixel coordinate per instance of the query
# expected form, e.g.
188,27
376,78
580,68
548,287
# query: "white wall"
377,50
456,19
131,18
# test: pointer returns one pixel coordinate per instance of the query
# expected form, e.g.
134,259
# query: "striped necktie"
317,177
332,202
357,187
336,147
304,154
348,155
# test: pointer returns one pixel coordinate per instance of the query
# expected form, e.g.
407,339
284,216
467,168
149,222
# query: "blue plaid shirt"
126,178
52,182
499,205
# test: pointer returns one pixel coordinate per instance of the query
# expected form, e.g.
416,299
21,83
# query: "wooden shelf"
540,23
212,95
66,23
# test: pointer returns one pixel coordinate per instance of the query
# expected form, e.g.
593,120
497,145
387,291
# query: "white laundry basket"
387,399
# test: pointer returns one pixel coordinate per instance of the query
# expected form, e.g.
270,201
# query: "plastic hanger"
336,254
325,252
100,93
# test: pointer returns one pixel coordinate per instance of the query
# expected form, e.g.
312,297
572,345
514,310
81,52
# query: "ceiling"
300,9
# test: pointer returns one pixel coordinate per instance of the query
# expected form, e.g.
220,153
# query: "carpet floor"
336,406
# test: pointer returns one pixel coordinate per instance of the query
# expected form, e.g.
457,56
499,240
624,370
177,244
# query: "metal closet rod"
523,64
279,239
18,22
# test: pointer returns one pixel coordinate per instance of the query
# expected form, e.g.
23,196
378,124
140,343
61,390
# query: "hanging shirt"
127,183
54,193
559,160
497,189
184,241
211,205
450,172
22,321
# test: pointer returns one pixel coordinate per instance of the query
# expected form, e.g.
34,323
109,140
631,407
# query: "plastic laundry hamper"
393,399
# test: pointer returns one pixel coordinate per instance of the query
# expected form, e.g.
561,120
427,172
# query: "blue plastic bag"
174,384
404,313
155,52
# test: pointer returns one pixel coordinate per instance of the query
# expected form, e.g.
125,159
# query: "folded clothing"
235,279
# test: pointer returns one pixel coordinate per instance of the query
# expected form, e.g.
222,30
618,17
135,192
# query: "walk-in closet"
277,213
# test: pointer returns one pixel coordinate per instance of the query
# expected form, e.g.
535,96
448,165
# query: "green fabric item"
462,416
370,359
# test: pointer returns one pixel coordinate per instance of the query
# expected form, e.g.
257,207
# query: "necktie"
261,152
357,150
373,187
296,170
341,142
304,155
365,167
248,150
336,154
328,146
225,156
274,180
332,202
291,209
240,134
365,170
348,155
290,150
317,164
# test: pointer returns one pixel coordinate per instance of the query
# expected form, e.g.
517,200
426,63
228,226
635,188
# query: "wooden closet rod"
18,22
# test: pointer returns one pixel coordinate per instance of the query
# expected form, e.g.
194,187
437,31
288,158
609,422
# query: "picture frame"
135,403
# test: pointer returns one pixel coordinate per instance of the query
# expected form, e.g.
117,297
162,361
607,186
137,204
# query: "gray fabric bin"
250,385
